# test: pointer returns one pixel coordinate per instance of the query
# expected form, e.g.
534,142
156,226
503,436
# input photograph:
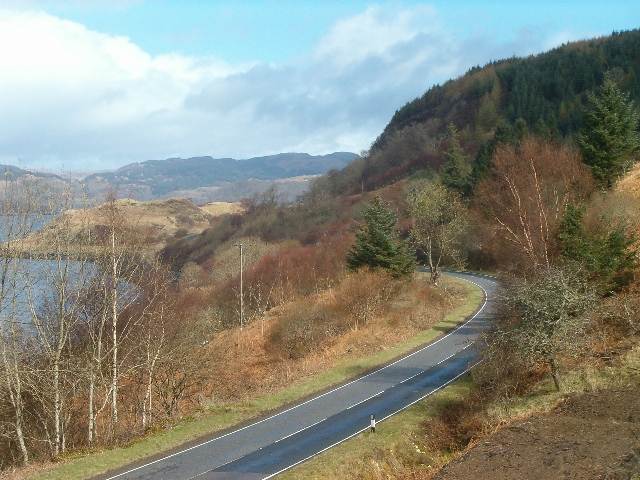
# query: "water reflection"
39,291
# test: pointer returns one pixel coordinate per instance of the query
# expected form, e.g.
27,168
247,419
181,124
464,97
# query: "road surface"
268,447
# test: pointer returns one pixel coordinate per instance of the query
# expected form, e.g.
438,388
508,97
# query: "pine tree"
604,249
378,245
610,141
456,172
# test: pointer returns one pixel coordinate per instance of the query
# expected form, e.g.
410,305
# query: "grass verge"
395,448
368,449
215,419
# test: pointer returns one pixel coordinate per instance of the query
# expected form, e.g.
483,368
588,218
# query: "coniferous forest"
546,93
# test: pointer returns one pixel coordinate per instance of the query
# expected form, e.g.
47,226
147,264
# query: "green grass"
544,395
363,454
364,449
84,465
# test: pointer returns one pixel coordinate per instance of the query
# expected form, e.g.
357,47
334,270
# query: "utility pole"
240,245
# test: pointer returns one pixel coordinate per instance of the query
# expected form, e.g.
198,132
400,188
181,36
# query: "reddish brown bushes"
304,329
289,273
311,325
363,296
526,193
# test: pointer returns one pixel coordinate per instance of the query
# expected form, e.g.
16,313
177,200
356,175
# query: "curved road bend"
265,448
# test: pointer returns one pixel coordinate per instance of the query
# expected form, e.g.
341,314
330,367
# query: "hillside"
564,443
11,171
547,92
547,88
531,212
160,220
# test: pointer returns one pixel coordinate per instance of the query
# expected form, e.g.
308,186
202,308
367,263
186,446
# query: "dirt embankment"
588,436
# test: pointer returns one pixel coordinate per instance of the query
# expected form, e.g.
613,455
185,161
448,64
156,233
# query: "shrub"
542,318
302,330
457,426
363,296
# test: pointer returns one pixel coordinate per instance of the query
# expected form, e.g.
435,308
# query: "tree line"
88,329
546,94
545,213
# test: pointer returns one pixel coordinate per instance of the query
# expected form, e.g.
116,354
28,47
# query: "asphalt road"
265,448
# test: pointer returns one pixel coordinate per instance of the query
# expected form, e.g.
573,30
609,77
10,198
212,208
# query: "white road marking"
323,395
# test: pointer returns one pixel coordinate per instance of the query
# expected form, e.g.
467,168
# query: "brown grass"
220,208
161,220
630,183
296,341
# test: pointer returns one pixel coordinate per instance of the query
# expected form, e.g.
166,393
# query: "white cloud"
91,100
364,69
373,33
62,83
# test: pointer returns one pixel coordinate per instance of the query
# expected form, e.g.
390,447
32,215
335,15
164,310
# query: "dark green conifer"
378,245
456,171
610,140
604,249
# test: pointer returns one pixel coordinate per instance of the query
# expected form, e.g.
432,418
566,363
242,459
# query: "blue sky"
99,84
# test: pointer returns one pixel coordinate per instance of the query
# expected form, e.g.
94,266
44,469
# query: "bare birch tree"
152,339
121,261
20,214
53,289
526,193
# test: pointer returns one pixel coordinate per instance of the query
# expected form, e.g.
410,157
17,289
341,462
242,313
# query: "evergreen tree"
604,249
506,133
610,141
456,172
378,245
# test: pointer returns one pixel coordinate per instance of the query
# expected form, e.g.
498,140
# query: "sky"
98,84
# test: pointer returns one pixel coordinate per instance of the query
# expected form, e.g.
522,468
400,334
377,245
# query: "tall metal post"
240,245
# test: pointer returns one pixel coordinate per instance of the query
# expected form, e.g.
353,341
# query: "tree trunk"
15,396
16,401
554,374
56,410
91,419
151,363
114,320
114,367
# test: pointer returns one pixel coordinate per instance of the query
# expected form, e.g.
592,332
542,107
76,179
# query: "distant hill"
160,178
545,93
17,172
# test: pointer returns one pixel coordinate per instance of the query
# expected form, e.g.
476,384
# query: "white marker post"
373,423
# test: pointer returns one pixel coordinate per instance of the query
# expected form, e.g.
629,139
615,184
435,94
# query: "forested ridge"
548,92
547,88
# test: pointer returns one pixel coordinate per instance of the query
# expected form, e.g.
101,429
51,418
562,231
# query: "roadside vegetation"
506,169
557,217
276,361
126,348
